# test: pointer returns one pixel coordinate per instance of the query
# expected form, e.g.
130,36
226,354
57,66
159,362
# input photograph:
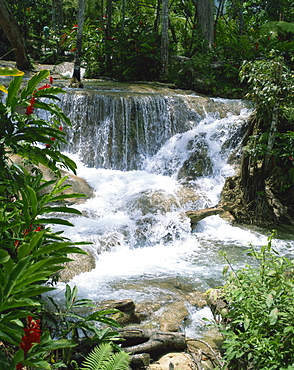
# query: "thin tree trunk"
164,39
205,18
79,43
12,32
108,32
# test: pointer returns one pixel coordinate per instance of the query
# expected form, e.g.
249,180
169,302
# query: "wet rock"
156,201
175,361
77,184
81,263
198,164
172,316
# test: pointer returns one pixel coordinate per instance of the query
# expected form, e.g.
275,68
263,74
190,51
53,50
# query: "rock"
198,164
173,316
127,315
77,184
81,263
175,361
156,201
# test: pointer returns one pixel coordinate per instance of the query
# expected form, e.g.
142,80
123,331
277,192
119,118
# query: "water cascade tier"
151,153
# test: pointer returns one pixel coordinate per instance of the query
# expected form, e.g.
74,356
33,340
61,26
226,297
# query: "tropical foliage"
259,330
32,253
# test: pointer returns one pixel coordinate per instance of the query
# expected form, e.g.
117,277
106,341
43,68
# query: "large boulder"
77,184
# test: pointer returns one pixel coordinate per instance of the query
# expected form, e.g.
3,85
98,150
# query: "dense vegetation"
123,40
253,40
31,253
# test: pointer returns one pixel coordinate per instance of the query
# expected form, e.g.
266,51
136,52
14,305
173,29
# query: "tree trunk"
108,33
79,43
164,40
205,19
12,32
57,16
149,341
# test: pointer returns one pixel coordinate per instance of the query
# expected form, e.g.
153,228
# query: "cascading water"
135,151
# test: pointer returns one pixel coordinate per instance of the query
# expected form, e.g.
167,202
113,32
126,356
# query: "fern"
103,358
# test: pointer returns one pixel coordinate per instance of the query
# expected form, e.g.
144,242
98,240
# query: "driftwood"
200,214
151,341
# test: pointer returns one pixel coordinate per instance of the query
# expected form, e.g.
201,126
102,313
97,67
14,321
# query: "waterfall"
149,158
119,130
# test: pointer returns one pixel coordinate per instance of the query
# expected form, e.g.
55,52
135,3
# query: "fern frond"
120,361
98,357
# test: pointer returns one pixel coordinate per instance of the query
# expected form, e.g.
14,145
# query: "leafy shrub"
259,330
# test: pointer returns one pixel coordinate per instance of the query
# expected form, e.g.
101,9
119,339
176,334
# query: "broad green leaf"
273,316
4,256
60,209
13,88
269,300
48,92
64,246
26,248
3,88
33,82
36,364
34,291
54,109
53,221
10,336
17,358
15,276
14,303
246,323
6,71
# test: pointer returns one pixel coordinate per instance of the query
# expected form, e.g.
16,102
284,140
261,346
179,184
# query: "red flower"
73,49
32,336
31,107
51,80
46,86
60,128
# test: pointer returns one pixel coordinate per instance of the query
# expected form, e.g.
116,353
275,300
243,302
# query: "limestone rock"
176,361
81,263
173,316
78,185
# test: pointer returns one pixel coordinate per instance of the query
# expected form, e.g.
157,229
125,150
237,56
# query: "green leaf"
6,71
60,209
3,88
4,256
269,300
273,316
33,82
246,323
57,221
14,303
36,363
15,276
13,88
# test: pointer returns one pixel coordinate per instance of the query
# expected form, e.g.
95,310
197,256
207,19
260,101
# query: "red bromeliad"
32,336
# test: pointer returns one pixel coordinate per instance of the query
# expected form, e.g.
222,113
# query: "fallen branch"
146,341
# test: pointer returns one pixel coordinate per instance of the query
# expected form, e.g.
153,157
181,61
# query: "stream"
134,148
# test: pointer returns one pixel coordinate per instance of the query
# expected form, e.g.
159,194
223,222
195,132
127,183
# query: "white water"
140,254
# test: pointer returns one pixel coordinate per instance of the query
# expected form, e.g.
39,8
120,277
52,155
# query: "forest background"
197,45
